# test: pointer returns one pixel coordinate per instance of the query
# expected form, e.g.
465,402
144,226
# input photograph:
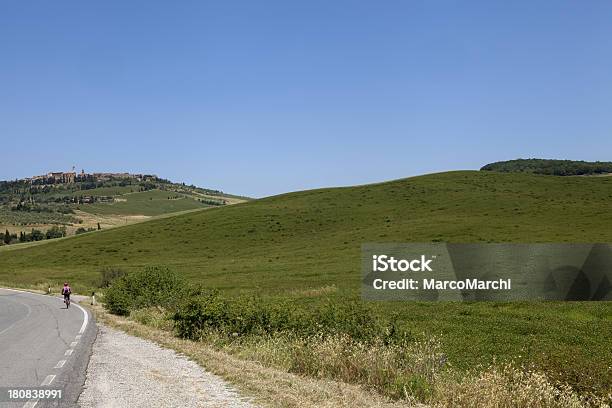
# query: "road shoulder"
133,372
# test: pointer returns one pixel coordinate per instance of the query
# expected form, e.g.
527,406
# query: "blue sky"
264,97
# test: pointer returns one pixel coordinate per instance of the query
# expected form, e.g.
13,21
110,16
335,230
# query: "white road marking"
78,337
60,364
85,319
30,404
68,352
48,380
73,344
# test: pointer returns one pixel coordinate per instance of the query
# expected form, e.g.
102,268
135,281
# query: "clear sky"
265,97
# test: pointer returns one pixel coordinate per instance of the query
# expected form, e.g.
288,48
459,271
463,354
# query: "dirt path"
126,371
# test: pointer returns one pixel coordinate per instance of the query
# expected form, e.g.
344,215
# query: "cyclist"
66,291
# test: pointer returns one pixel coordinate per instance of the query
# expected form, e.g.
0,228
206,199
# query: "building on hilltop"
72,177
61,177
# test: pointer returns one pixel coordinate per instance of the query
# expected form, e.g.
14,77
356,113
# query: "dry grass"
510,387
417,370
269,386
401,372
314,292
107,220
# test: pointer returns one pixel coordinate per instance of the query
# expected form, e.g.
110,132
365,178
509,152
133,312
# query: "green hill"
307,244
313,237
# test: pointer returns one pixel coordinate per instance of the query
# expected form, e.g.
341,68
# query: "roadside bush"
353,318
153,286
210,311
108,274
338,339
200,313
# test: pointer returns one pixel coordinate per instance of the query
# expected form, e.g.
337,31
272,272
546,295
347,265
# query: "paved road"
43,344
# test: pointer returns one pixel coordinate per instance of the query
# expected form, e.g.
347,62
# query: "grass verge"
268,386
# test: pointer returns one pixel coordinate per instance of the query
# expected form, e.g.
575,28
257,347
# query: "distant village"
73,177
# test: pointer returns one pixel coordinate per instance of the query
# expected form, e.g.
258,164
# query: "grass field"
306,245
148,203
106,191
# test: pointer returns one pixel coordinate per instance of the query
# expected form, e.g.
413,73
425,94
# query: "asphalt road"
43,344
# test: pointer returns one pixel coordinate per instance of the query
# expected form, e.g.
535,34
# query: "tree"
56,232
550,167
99,227
7,237
37,235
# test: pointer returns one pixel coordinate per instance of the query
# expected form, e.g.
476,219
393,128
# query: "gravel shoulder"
127,371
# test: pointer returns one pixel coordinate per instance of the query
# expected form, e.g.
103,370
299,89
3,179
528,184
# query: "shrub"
153,286
353,318
199,313
209,311
56,232
108,274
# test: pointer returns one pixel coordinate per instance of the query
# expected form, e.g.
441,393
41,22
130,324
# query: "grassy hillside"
307,244
313,238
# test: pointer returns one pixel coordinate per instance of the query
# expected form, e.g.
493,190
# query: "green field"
149,203
106,191
301,244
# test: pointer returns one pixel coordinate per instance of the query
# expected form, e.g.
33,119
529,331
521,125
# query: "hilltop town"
73,177
58,204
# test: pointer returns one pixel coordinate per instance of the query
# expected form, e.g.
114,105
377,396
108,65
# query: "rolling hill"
92,201
306,245
287,240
